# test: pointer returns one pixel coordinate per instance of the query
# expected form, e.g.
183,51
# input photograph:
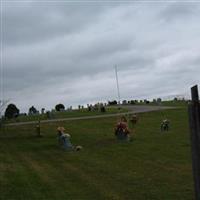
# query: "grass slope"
154,166
66,114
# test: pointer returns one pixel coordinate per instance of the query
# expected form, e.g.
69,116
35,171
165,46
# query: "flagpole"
117,81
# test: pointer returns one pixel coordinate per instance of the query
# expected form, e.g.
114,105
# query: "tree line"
12,111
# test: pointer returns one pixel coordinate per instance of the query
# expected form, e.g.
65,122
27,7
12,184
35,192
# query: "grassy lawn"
153,166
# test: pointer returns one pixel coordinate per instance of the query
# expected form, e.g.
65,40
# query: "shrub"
11,111
59,107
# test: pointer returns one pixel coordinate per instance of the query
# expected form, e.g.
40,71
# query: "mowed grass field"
153,166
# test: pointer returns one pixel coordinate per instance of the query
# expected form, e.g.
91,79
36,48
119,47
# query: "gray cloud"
179,11
32,23
66,53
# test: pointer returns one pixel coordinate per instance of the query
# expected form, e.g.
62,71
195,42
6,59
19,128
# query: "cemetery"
152,165
99,100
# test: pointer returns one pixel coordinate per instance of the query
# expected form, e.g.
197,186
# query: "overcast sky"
66,52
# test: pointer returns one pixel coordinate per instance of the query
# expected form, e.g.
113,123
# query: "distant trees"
42,110
112,102
102,108
132,102
32,110
49,115
11,111
146,101
89,107
59,107
154,101
175,99
124,102
159,100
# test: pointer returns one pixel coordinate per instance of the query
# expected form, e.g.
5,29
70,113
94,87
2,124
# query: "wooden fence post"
194,121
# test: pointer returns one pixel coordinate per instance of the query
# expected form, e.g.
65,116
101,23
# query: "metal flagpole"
117,83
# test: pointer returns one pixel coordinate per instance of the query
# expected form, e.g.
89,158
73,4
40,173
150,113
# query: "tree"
32,110
11,111
112,102
102,108
42,110
59,107
124,102
175,99
146,101
159,100
132,102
